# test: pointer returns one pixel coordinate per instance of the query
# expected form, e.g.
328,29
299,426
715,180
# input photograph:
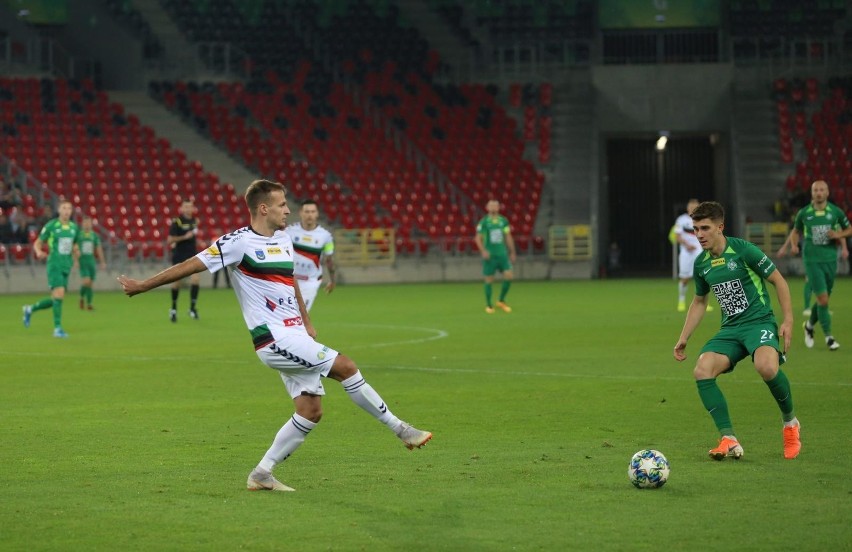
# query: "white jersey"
261,270
310,247
684,229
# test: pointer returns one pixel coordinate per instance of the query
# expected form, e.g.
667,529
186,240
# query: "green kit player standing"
818,225
91,254
60,235
737,271
495,243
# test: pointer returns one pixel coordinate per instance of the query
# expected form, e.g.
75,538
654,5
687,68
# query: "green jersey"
736,278
493,231
88,243
60,238
813,226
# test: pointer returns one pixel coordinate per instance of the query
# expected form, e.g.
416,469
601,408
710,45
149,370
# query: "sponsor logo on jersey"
307,239
717,262
259,254
273,250
295,321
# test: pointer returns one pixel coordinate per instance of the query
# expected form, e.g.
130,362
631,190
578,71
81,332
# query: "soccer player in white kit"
260,259
688,252
313,246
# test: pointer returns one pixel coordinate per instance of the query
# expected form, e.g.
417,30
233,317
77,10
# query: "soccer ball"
648,469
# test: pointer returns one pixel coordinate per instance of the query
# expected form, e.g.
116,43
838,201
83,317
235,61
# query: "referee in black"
182,234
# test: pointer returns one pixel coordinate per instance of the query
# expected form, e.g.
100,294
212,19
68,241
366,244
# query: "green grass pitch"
138,434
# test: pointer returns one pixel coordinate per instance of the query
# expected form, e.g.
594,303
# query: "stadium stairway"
761,174
182,136
422,15
574,169
178,50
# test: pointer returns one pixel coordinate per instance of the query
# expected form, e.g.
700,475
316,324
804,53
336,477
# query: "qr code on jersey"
819,234
731,296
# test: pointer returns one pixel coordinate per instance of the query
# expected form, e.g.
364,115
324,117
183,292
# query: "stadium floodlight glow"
661,142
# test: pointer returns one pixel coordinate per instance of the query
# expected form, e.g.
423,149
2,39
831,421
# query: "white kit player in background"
260,259
688,252
314,247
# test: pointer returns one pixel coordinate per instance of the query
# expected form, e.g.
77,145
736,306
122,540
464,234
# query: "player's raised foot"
28,313
193,314
412,437
173,315
792,443
503,306
832,344
59,332
489,310
728,447
681,306
809,336
264,481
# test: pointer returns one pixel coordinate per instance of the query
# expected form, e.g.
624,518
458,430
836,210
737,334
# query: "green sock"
504,289
57,313
807,294
779,386
43,304
488,294
84,293
824,319
90,294
714,402
812,319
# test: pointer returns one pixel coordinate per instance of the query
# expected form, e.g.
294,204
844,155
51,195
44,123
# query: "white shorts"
309,289
301,361
686,262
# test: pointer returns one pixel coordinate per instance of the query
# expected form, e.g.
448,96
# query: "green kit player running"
495,243
818,225
736,271
91,254
60,235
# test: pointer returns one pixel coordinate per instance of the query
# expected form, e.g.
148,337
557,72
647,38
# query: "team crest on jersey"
828,216
259,254
732,265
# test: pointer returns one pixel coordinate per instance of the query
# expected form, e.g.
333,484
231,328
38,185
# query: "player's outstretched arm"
785,329
174,273
693,317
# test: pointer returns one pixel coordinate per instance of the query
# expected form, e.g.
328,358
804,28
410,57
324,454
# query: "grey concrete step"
182,136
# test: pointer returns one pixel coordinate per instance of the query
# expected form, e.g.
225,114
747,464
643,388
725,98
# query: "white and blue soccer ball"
648,469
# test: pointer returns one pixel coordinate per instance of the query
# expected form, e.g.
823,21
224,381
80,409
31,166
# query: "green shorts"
57,276
493,264
742,341
88,269
821,276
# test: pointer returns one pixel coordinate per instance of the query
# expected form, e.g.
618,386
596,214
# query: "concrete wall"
649,98
32,278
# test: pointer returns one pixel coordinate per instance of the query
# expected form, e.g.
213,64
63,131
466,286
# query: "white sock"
287,440
366,397
681,292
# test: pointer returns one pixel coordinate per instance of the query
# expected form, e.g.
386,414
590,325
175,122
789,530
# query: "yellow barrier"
768,236
570,243
364,246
